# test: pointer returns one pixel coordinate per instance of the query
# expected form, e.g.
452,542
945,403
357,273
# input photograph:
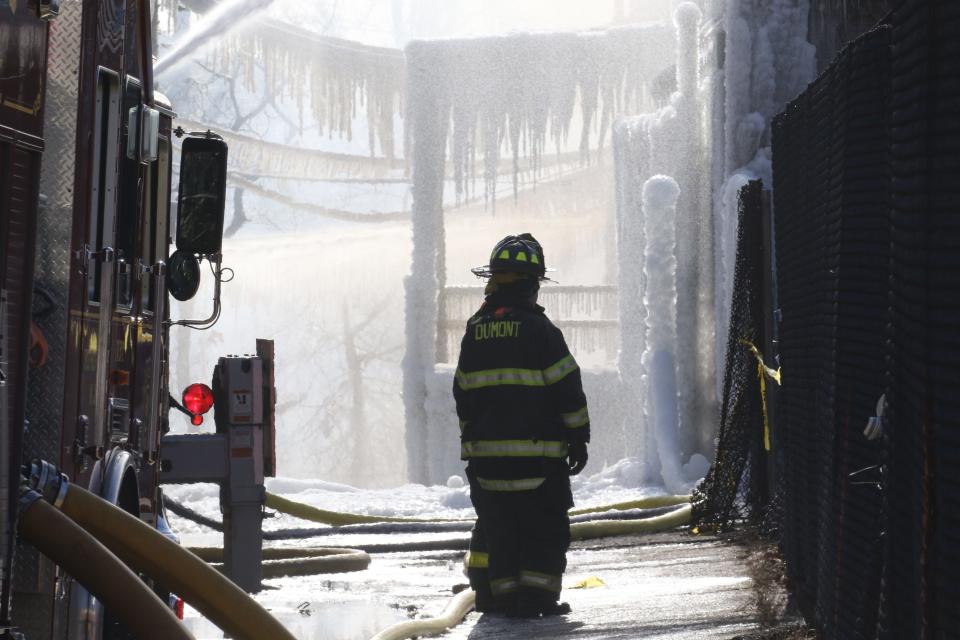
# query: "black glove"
577,457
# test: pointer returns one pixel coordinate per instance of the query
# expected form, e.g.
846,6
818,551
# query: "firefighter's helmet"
515,254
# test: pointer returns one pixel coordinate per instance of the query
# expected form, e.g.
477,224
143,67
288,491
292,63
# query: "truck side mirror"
150,142
201,196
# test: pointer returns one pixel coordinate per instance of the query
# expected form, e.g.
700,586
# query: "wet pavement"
668,585
661,586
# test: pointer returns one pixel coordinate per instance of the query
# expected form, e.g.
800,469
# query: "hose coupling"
46,479
27,497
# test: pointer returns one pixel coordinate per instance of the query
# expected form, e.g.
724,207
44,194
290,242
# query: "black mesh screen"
831,193
867,239
735,487
920,592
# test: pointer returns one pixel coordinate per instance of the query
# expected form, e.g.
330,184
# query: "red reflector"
196,420
197,399
180,608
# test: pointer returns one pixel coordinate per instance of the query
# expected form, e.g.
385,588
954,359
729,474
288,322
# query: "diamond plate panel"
33,606
54,226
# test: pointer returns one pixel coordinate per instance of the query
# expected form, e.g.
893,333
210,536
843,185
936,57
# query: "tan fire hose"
606,528
643,503
279,562
103,574
336,518
146,550
455,611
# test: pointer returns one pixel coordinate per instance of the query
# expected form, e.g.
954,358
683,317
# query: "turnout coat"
519,396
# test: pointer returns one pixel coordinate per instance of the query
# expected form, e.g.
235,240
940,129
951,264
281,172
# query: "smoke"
224,18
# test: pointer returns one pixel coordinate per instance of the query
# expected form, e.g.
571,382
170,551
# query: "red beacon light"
197,399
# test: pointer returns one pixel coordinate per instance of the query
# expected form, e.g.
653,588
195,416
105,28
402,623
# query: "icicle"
327,77
512,95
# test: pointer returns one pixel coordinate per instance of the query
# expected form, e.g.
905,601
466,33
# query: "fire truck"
87,262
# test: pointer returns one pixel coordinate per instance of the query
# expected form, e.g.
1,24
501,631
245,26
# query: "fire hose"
455,611
297,562
648,516
585,523
411,526
146,550
102,573
336,519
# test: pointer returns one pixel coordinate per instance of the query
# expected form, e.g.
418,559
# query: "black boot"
556,609
534,605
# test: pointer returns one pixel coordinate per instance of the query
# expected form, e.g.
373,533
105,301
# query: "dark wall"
833,23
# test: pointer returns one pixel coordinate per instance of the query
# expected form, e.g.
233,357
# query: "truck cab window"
104,179
130,192
154,237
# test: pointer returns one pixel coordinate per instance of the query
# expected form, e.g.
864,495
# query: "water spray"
225,17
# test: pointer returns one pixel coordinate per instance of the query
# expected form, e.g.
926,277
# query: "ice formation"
767,60
520,91
660,194
670,141
587,315
265,159
329,79
222,17
716,125
478,96
510,106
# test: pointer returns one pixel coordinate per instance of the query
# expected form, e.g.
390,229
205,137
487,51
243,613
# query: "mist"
379,149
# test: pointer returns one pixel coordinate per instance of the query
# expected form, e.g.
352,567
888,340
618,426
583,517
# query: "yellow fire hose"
280,562
333,518
148,551
643,503
102,573
607,528
337,519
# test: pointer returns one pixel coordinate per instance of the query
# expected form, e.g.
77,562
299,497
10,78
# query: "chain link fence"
866,202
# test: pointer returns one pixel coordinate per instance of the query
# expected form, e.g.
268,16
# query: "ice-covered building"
523,96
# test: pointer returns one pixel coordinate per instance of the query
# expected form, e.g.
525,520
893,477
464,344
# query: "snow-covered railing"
587,315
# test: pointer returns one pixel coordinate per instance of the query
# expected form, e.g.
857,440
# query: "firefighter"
524,431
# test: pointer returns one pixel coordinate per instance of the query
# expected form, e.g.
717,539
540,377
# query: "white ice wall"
669,141
767,62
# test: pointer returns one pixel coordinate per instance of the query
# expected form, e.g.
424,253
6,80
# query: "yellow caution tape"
763,372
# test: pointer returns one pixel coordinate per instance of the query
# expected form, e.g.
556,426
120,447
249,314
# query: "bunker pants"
522,537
